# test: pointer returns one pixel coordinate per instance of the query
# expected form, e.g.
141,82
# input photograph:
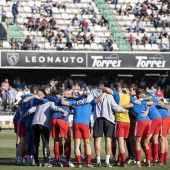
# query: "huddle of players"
147,122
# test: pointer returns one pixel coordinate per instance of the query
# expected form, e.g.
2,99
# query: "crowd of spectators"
11,93
47,25
148,12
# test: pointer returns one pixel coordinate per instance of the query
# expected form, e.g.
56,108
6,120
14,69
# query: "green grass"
7,155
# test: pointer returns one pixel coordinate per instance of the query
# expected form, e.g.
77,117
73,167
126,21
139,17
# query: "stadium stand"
63,18
128,25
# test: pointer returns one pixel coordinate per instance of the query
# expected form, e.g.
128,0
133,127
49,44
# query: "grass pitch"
7,155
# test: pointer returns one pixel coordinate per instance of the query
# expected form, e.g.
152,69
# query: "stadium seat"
27,9
94,46
6,44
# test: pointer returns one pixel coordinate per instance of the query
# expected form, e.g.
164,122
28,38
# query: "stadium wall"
84,60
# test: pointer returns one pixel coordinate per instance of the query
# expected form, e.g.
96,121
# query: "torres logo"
12,58
146,62
103,61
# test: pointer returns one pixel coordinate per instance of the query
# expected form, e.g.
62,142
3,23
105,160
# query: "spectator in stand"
90,39
68,40
26,90
11,97
15,12
137,8
48,8
59,4
37,24
122,10
51,36
5,85
19,44
145,39
138,14
95,19
133,26
4,97
79,37
153,90
90,9
84,37
142,83
81,19
34,17
152,18
44,23
104,20
162,9
27,43
53,24
131,39
140,26
75,20
47,29
108,44
153,4
13,44
85,26
42,10
30,25
1,104
138,39
144,8
73,37
34,8
67,30
35,43
58,38
160,93
164,32
153,38
129,9
157,22
164,19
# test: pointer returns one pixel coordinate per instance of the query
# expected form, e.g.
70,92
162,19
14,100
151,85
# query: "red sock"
67,149
161,158
119,158
147,154
61,149
165,156
159,150
122,155
114,151
138,153
155,151
56,151
78,159
150,148
88,157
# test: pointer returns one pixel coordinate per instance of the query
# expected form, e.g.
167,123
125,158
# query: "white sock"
138,162
98,159
19,159
107,159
